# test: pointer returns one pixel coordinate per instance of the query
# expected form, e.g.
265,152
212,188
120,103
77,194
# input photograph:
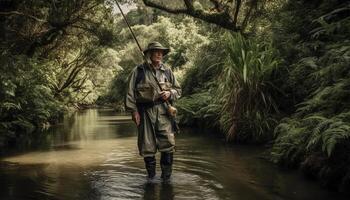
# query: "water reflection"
93,155
157,191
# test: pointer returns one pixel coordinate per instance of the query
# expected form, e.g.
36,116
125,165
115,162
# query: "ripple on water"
122,176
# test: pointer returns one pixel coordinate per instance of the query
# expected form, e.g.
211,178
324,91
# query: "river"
93,155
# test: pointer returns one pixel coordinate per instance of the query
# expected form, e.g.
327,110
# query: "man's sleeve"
176,88
130,101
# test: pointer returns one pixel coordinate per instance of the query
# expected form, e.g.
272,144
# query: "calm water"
93,155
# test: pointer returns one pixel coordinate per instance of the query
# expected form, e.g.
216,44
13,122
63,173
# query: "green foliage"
26,97
245,89
198,109
205,67
199,105
317,134
240,103
328,132
299,139
289,147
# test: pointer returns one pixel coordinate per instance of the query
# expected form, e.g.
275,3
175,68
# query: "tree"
233,15
54,55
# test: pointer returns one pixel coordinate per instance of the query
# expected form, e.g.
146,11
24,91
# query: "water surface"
93,155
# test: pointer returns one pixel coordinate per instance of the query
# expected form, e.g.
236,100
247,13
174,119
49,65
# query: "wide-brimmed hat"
156,46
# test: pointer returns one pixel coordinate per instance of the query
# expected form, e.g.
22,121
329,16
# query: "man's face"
156,55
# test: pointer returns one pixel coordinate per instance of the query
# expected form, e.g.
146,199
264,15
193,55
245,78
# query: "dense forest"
257,72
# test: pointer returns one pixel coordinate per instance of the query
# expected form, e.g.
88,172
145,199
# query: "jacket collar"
162,66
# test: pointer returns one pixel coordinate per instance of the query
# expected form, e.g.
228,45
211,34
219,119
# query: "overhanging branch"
166,9
222,19
23,14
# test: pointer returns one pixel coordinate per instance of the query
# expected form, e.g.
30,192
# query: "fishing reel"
172,110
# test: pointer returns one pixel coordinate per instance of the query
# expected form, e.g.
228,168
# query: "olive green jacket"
131,96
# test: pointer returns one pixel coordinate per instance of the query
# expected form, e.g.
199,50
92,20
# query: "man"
146,102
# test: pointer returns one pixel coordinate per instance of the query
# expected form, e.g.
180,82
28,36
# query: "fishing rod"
132,32
171,109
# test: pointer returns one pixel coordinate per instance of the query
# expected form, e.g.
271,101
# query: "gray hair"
148,56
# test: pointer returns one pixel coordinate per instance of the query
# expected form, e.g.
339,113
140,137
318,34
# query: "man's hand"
136,118
165,95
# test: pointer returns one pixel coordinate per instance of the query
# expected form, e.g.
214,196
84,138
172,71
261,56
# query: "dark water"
93,155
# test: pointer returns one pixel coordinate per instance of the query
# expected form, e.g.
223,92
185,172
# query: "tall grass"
245,89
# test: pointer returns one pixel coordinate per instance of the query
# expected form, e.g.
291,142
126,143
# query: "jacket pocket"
145,93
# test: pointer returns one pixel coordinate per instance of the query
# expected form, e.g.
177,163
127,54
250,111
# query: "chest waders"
155,130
